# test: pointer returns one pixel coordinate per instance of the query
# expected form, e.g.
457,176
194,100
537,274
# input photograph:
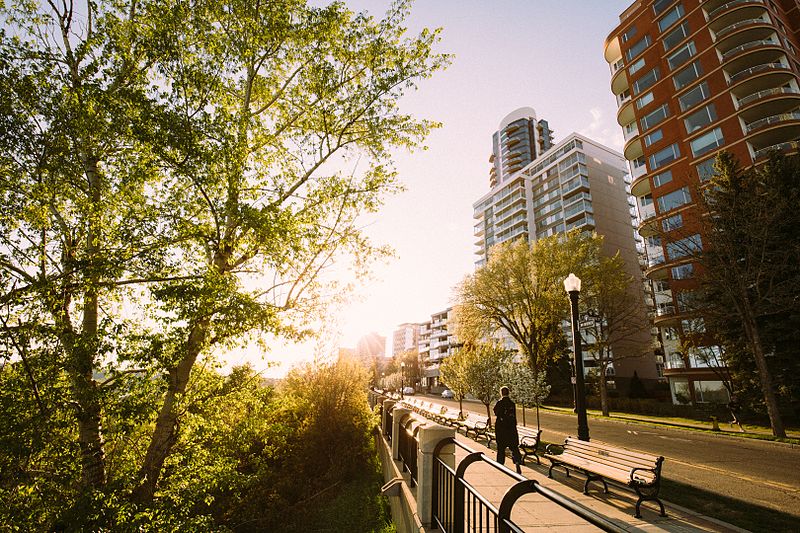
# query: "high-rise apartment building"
405,339
436,342
692,78
576,183
517,142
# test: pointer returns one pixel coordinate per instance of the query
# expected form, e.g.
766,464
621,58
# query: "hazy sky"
508,54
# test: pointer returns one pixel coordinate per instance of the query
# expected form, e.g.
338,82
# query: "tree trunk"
165,433
770,401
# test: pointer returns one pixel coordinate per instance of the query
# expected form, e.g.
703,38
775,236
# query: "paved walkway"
535,513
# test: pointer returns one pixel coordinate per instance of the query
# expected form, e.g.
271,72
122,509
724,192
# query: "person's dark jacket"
505,412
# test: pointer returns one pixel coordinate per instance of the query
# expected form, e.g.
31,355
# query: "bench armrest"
552,448
640,481
529,440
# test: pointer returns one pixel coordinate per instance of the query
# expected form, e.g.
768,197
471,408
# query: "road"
760,472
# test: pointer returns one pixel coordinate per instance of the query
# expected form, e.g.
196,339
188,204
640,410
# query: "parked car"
447,393
408,390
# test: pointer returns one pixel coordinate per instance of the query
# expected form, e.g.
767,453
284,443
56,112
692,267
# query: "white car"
408,390
447,393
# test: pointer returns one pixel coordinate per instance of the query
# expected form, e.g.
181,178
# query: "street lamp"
402,377
573,286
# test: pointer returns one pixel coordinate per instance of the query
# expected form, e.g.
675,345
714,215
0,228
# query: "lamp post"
573,287
402,377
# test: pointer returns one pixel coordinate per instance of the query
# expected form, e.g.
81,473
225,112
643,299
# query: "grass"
737,512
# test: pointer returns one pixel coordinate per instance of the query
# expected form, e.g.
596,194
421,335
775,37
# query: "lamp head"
572,283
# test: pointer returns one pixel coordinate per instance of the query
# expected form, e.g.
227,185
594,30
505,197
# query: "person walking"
505,413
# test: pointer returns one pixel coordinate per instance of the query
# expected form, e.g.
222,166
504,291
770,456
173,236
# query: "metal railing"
459,508
408,447
752,70
774,119
387,430
767,92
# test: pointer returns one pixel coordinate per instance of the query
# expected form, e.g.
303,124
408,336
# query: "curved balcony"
633,148
750,45
793,116
666,316
740,27
619,82
769,102
774,130
612,51
640,186
728,6
625,114
648,227
657,268
786,148
764,68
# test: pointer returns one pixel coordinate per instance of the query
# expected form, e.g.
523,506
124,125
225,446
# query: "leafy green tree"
482,370
528,389
751,275
453,374
519,293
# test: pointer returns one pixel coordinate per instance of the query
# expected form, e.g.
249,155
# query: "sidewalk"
535,513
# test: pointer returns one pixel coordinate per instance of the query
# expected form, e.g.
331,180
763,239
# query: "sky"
508,54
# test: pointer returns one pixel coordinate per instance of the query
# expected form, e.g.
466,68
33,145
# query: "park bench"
600,461
528,441
477,424
448,417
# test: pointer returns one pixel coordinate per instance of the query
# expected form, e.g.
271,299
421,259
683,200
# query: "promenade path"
535,513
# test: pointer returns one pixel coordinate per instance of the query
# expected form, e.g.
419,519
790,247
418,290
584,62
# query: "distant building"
370,348
517,142
576,183
691,79
405,338
436,342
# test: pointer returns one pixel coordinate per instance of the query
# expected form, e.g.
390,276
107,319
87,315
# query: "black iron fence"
408,446
459,508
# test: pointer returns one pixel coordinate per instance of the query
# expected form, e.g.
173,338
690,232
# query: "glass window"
710,392
644,100
684,247
674,199
646,81
663,178
683,271
681,55
675,36
654,117
638,64
694,96
629,33
653,137
662,157
707,142
660,5
671,17
700,119
687,75
680,386
637,48
705,170
673,222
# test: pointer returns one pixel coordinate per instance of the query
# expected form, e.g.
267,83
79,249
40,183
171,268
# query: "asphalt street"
760,472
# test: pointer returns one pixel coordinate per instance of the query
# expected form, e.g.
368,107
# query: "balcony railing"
665,310
729,5
767,92
782,147
752,70
774,119
737,25
655,260
746,46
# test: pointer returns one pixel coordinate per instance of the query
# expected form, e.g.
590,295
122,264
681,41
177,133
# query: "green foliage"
527,388
482,368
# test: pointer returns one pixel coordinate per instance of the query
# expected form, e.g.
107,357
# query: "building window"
686,76
644,100
694,96
637,65
660,5
637,48
683,271
674,199
681,55
646,81
705,170
671,17
707,142
710,392
684,247
700,119
672,223
653,137
654,117
629,33
663,178
662,157
675,36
